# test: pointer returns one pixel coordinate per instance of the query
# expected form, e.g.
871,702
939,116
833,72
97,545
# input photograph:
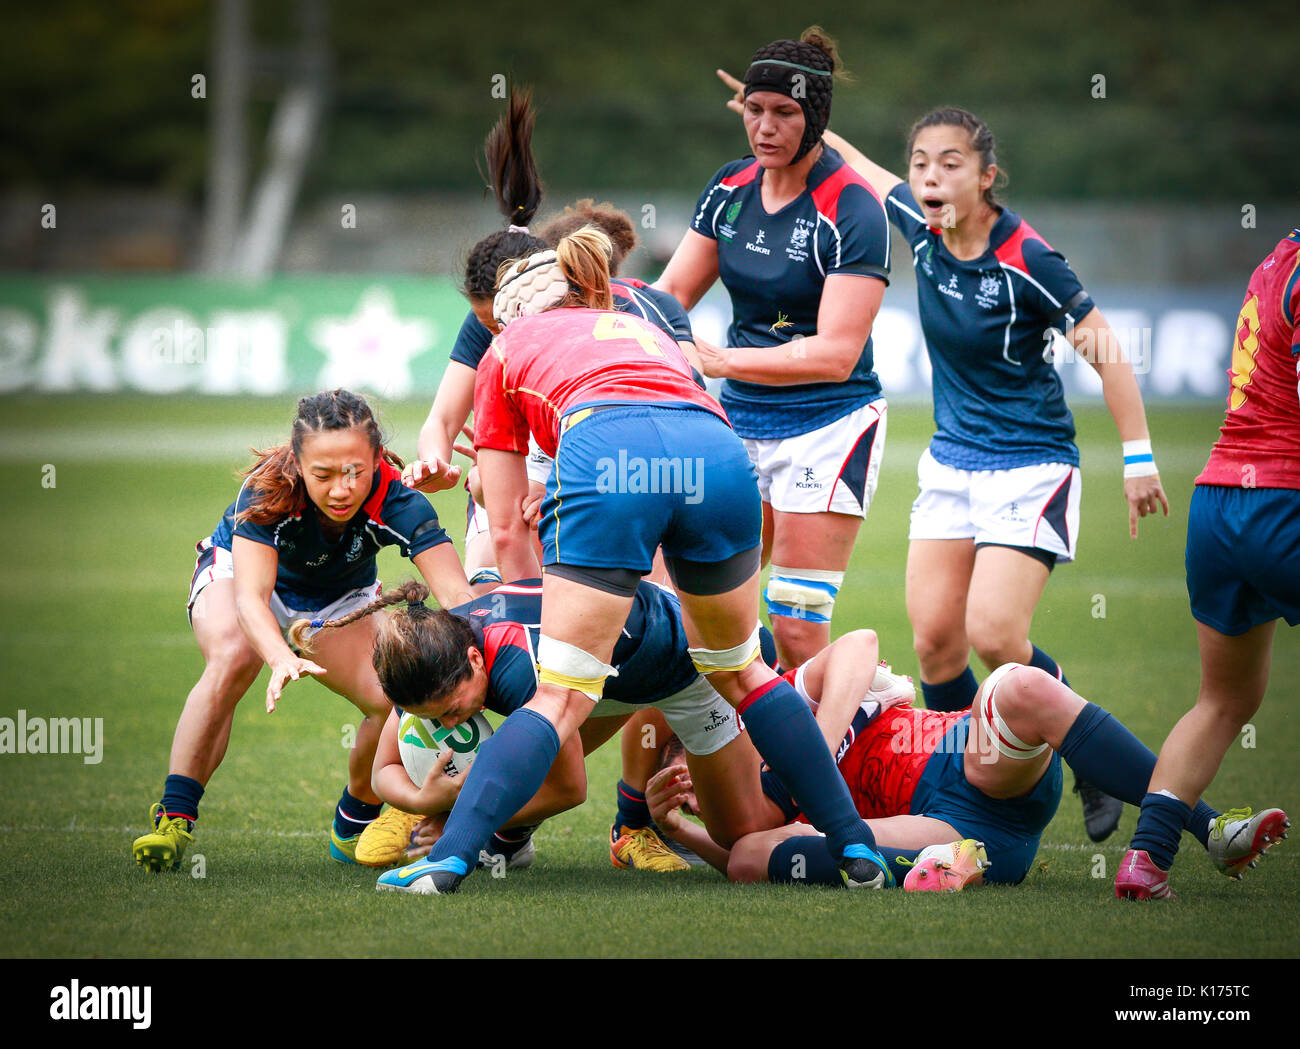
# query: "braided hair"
420,654
802,70
275,479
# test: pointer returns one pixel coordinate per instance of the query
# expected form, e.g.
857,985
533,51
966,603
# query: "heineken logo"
415,731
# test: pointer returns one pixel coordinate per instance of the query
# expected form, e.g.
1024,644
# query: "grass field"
92,624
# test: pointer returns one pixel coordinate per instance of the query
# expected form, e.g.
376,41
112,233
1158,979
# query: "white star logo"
372,348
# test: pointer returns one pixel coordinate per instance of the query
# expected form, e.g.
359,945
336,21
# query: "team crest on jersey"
987,296
926,263
733,211
355,550
797,249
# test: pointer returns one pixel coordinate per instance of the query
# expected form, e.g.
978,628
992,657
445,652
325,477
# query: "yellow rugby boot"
642,849
162,848
384,842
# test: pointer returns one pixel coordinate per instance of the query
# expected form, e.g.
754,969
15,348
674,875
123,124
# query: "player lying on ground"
922,777
1243,573
300,540
451,664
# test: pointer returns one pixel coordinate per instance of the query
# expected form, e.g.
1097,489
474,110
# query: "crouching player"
300,540
922,778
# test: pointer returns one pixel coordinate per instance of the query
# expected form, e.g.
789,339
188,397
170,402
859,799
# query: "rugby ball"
420,742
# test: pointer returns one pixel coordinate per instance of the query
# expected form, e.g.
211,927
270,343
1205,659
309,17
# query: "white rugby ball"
421,741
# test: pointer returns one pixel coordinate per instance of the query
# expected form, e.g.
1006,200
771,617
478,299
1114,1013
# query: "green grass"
93,625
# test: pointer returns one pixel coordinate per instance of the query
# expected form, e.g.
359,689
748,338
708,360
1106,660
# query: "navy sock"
1043,661
511,765
1199,823
507,842
806,860
353,816
633,812
181,797
1159,828
786,735
957,694
1102,751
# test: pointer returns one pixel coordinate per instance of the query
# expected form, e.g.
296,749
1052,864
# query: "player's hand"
440,790
531,508
285,670
467,450
426,835
1145,495
425,476
714,360
737,102
665,795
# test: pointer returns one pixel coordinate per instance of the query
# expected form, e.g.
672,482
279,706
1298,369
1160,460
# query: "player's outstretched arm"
255,571
444,575
431,470
1097,343
838,679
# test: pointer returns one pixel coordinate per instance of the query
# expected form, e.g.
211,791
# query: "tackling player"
300,540
1243,575
613,400
801,243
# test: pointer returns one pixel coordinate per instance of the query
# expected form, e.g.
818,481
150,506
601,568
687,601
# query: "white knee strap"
1003,738
712,660
566,665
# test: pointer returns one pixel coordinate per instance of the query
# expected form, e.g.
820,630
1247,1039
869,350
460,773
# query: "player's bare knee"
1025,693
934,648
996,643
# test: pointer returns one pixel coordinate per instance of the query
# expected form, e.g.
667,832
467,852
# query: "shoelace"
1231,816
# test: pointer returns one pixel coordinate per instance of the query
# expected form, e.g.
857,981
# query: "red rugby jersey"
543,365
1259,442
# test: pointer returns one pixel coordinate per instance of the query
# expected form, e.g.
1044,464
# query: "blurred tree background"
1200,99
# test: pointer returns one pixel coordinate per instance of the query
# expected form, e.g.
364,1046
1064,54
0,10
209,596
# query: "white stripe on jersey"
905,209
1021,273
839,241
645,303
713,225
1006,336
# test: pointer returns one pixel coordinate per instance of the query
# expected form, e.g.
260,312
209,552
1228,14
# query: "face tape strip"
1003,738
713,661
802,593
560,663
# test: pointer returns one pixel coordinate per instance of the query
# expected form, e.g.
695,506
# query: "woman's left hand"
1144,495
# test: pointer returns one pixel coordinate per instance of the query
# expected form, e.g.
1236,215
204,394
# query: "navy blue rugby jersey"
630,296
314,571
998,401
774,268
651,654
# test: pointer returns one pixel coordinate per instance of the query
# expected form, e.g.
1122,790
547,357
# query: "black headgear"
802,72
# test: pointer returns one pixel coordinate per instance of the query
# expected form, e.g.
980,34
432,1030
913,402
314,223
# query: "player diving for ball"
988,778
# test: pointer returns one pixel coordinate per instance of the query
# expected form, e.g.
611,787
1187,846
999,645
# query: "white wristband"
1138,460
